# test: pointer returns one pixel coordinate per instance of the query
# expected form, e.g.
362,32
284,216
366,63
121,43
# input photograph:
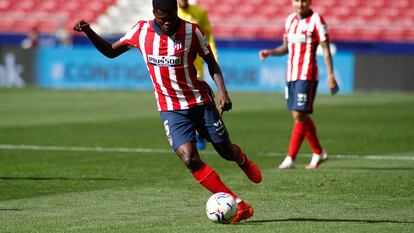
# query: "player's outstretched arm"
332,84
281,50
110,51
225,103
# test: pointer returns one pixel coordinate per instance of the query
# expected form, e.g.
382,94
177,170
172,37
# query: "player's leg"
215,130
181,135
312,136
297,95
233,152
203,173
319,155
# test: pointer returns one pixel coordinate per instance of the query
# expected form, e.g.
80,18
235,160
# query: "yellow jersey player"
198,15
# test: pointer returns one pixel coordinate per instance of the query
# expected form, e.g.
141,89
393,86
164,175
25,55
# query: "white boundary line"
157,150
82,149
354,156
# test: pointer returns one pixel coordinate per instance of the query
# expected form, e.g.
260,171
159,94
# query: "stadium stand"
122,15
19,16
348,20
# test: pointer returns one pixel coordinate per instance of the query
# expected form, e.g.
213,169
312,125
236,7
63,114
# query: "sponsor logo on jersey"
297,38
164,61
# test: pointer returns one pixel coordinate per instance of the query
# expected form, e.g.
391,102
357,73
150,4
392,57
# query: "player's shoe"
251,170
244,211
317,160
287,163
200,142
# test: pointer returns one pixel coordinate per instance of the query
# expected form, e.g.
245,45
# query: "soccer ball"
221,208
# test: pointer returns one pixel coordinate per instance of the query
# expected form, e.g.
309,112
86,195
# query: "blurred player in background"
198,15
32,40
304,31
186,103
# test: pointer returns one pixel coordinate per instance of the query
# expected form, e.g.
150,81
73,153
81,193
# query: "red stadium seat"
368,34
271,33
347,19
392,35
344,34
224,32
22,15
409,35
23,26
6,25
247,32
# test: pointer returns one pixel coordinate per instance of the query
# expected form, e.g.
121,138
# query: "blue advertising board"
244,71
85,67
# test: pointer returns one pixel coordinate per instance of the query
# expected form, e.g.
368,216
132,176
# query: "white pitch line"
344,156
82,149
375,157
157,150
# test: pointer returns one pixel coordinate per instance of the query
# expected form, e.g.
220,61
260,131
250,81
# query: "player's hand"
263,54
225,103
81,26
333,85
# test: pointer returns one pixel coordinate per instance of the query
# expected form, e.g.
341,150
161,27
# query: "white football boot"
287,163
317,160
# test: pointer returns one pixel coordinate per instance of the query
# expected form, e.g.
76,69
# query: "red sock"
240,156
312,136
298,133
208,178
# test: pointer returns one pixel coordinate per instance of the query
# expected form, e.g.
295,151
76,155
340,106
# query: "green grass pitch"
98,161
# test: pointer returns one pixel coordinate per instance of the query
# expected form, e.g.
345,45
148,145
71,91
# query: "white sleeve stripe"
202,39
188,39
322,28
130,33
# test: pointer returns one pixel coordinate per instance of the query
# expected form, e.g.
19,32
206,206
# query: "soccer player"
169,46
304,31
196,14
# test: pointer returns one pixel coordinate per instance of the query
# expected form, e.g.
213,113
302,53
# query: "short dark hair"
164,5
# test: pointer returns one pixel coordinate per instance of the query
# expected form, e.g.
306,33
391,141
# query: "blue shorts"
180,126
300,95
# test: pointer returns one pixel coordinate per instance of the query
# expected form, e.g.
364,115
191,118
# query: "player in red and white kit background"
169,46
304,31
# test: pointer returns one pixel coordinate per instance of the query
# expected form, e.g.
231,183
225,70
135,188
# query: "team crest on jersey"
178,44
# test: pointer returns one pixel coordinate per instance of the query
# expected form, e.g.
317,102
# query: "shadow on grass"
10,209
373,168
364,221
57,178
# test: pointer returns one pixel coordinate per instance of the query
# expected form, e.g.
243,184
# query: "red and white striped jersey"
303,36
169,60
